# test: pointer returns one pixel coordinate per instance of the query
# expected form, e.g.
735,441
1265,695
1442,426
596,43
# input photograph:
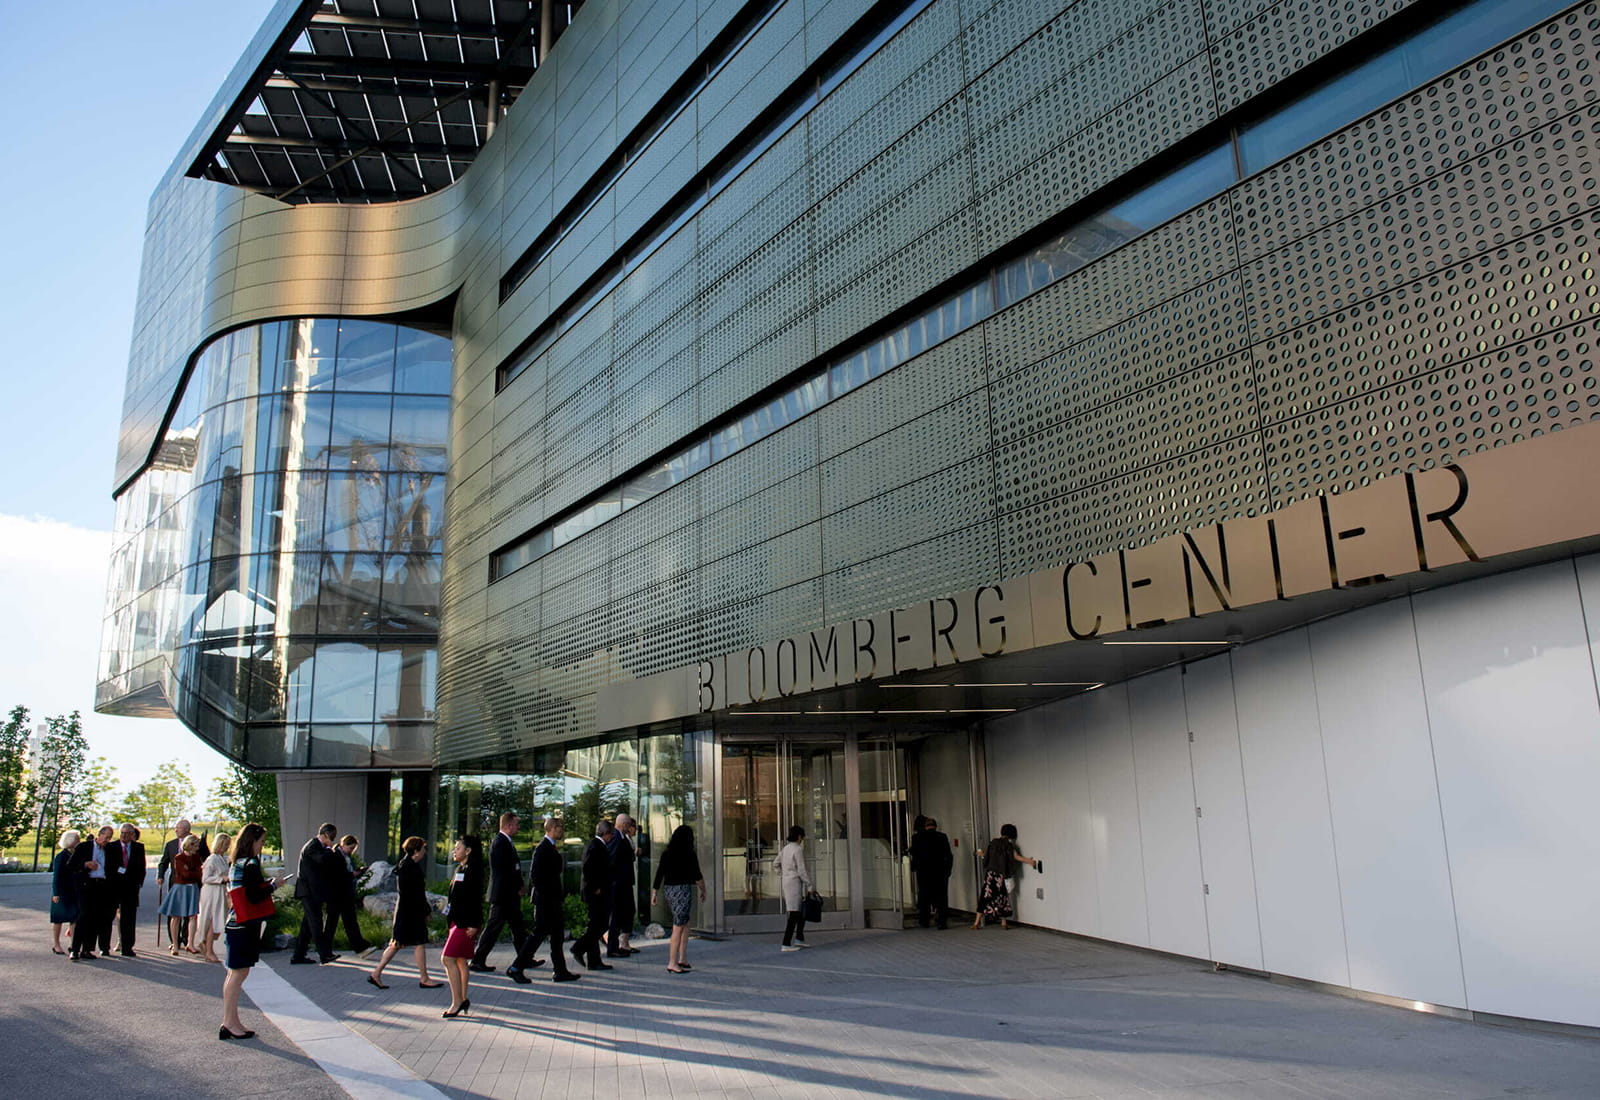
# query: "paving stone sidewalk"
924,1013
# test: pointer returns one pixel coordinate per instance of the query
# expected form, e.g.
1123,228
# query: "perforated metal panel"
1192,328
948,500
1539,385
1174,107
891,580
1200,409
1071,73
947,435
1538,78
1286,38
1415,287
1198,488
923,384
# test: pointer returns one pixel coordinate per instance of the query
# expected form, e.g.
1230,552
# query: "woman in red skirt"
466,920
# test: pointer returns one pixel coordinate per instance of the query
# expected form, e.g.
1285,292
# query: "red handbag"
246,910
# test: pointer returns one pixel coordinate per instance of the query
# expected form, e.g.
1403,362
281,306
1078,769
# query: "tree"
73,789
16,785
157,803
245,796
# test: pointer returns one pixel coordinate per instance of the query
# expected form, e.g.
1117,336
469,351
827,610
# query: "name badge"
122,870
461,876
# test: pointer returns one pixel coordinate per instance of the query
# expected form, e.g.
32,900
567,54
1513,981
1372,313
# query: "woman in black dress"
411,913
1000,861
63,892
678,870
466,920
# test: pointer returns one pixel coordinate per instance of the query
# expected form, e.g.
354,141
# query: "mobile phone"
290,875
1038,866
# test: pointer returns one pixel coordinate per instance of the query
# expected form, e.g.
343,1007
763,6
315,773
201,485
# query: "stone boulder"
379,878
382,905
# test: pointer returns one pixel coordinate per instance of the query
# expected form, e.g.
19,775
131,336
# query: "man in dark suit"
549,894
505,896
623,885
87,869
180,829
320,879
125,870
931,861
596,897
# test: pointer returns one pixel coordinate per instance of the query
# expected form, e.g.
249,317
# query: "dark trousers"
315,925
346,911
587,946
94,915
127,922
796,928
622,912
933,898
502,914
546,925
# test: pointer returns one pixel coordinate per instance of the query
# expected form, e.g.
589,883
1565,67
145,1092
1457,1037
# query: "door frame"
852,915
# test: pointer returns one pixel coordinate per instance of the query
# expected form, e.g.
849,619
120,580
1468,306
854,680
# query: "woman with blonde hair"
182,902
63,892
214,895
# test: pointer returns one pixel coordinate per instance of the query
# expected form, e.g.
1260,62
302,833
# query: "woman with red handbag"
249,904
466,920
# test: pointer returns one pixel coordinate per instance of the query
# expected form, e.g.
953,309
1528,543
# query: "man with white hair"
624,884
180,829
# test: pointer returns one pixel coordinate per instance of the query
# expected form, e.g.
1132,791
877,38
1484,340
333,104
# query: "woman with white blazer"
795,882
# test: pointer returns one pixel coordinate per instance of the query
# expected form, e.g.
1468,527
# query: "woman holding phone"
466,919
243,931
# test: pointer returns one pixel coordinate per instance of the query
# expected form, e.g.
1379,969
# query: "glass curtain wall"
275,577
656,780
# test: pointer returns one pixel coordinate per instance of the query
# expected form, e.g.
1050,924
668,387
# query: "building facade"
1164,426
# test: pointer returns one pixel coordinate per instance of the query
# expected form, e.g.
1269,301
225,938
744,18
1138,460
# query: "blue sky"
94,108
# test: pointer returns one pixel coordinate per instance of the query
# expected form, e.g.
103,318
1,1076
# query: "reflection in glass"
278,533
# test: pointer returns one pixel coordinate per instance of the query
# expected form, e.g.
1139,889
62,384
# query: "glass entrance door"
886,882
765,786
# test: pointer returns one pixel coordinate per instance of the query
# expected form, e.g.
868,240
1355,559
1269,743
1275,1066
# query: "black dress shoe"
517,976
535,962
224,1033
566,976
302,961
596,964
480,968
129,955
326,959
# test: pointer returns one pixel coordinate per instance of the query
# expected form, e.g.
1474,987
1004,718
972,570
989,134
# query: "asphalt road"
127,1029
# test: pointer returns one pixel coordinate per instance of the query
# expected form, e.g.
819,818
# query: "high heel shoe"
451,1015
374,981
224,1033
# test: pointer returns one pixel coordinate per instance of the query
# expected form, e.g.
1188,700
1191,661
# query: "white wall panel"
1511,699
1023,792
1076,894
1297,880
1118,850
945,793
1167,825
1226,861
1394,876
